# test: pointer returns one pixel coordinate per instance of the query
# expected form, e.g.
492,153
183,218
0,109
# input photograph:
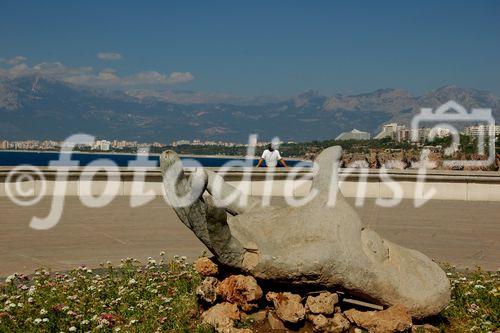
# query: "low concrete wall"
448,185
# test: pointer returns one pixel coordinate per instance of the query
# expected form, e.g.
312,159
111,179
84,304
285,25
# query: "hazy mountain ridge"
40,107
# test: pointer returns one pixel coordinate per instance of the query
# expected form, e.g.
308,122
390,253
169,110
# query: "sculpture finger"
184,195
328,164
227,196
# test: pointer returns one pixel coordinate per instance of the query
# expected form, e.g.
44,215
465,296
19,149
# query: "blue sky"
257,47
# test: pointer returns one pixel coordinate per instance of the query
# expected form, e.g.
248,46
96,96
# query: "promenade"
459,232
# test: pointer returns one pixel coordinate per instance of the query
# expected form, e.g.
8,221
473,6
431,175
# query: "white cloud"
180,77
53,69
15,61
109,56
153,77
87,76
108,77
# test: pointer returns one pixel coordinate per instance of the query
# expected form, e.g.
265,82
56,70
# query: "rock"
235,330
356,330
274,322
206,267
258,316
426,328
251,238
249,307
221,316
320,323
288,306
241,290
337,324
394,319
207,290
324,303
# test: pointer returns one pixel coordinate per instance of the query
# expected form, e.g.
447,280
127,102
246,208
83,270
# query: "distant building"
103,145
4,144
440,132
422,134
403,134
354,135
482,130
388,131
180,143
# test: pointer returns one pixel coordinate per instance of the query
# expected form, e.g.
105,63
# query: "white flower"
43,312
10,278
85,322
132,281
478,286
45,320
133,321
72,329
37,321
30,300
32,290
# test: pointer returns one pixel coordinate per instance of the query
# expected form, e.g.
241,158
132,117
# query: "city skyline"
393,131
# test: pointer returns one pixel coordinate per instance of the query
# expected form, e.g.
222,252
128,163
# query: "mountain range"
38,107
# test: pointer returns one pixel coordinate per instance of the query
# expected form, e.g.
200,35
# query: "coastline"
132,154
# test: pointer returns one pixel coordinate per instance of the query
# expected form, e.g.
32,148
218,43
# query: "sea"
42,159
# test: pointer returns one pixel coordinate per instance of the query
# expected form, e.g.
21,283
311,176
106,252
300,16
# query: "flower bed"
160,297
130,298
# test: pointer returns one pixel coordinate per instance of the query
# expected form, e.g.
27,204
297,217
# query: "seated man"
272,157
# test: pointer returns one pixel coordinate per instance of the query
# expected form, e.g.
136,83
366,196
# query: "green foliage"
475,301
159,297
131,298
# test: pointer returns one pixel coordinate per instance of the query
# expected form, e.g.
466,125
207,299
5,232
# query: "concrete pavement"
462,233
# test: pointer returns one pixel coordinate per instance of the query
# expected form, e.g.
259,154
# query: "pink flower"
108,319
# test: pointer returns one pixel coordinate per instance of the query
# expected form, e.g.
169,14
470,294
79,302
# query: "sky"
251,48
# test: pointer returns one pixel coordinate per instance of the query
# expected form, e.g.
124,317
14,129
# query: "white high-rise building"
482,130
103,145
389,131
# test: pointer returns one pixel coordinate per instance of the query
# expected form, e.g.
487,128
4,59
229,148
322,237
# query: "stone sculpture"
315,244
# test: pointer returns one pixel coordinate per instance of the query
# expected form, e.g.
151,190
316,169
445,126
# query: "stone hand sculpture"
315,244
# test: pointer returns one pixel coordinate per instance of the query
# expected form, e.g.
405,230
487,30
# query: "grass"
160,297
475,303
131,298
